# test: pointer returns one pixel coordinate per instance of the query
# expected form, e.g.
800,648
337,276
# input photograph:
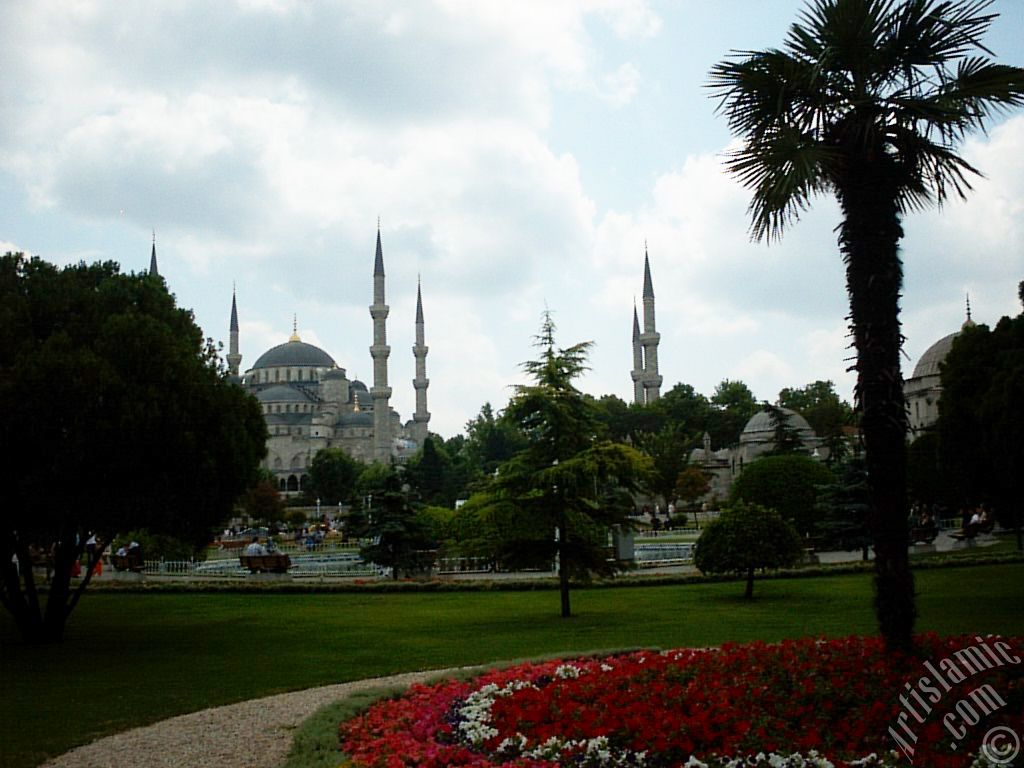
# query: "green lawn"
130,659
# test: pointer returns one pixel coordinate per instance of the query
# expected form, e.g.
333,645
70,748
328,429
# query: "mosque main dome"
294,353
924,388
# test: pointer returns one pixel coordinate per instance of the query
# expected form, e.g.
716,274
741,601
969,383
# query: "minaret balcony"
420,383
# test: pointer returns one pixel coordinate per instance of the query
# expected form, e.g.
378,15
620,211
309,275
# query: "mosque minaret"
646,379
421,418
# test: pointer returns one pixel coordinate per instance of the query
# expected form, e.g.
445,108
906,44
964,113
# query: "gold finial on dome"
295,329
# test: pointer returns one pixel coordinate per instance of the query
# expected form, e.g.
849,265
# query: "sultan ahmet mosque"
309,402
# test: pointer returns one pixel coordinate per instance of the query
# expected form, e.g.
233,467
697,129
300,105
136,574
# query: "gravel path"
250,734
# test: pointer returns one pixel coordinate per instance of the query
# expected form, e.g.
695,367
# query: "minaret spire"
233,357
649,338
421,418
379,351
152,259
637,373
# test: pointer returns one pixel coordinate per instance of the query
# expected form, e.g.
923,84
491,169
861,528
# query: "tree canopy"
334,475
116,415
745,538
980,416
788,484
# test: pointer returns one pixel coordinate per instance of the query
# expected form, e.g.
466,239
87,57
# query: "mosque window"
288,374
277,374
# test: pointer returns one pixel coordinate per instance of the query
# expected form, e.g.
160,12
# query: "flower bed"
796,703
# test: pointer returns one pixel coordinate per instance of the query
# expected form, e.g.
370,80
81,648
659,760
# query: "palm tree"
868,100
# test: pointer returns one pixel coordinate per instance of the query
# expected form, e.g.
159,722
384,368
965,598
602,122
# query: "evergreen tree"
399,538
787,438
843,507
561,494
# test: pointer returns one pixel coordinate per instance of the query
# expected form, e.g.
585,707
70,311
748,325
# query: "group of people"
976,520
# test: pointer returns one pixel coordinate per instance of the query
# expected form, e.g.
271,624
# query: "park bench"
273,563
973,530
923,535
127,563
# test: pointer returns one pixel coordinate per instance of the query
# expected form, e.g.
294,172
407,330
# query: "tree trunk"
749,594
563,571
869,240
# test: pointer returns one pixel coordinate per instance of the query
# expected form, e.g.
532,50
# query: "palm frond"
933,171
784,173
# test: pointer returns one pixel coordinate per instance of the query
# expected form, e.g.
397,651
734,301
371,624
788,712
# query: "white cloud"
263,139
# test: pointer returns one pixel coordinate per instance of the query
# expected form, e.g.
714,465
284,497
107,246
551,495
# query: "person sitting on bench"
255,548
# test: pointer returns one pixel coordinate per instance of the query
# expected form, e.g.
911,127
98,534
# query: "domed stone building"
924,388
309,402
756,440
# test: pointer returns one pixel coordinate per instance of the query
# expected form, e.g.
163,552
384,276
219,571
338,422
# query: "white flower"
567,672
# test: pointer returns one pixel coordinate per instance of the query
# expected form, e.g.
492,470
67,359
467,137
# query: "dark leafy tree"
333,476
734,405
561,494
399,538
263,503
843,508
430,475
869,100
473,529
788,484
928,482
613,415
746,538
669,450
127,419
491,440
683,406
980,416
824,410
691,484
787,438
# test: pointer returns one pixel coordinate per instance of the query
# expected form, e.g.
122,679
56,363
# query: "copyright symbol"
1000,745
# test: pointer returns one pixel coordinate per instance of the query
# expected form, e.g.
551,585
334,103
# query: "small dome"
294,353
282,394
928,365
761,424
357,384
358,419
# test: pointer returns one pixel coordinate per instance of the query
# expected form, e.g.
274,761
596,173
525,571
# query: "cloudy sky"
518,155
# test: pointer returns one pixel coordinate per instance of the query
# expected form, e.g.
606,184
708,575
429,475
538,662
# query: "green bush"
744,538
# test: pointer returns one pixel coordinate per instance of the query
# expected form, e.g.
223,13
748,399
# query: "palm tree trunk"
869,239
